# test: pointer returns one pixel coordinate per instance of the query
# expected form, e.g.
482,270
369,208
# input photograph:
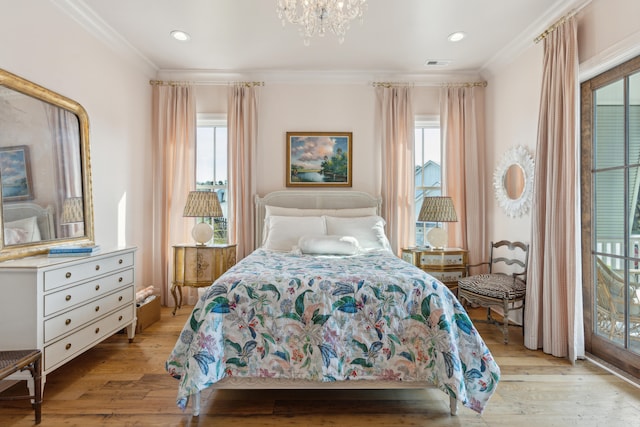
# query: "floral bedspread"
365,317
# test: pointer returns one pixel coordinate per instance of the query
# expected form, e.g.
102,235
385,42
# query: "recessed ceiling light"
457,36
180,35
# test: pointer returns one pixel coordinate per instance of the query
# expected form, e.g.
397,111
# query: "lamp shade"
202,204
72,210
437,209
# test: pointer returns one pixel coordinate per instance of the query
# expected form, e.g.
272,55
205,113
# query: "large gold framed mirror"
513,181
45,172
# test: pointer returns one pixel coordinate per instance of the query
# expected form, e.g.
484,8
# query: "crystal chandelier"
318,16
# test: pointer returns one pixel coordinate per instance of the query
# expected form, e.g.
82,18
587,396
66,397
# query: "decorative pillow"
351,212
14,236
329,245
369,231
284,232
29,227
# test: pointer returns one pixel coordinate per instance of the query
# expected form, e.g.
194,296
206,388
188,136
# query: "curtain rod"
559,22
203,83
452,84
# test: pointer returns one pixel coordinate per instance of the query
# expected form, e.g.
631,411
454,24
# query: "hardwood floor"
123,384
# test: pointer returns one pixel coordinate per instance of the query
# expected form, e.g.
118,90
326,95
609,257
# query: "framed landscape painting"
319,159
15,172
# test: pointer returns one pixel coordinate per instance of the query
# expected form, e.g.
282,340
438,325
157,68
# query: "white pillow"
329,245
284,232
369,231
29,226
14,236
351,212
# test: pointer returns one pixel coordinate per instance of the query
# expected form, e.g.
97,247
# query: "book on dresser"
62,251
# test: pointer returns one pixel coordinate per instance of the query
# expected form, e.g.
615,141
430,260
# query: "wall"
608,33
44,45
315,107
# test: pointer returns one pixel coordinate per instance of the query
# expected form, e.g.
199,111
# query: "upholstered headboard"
21,210
312,199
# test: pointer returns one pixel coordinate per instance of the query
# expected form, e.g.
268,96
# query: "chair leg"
37,380
505,328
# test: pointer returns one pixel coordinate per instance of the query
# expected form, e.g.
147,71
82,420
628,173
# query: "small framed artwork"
319,159
15,173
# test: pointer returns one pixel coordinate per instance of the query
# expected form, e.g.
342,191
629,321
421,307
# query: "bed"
323,303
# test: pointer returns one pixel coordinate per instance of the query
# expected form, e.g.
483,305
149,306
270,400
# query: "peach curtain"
395,122
173,136
463,176
243,135
553,318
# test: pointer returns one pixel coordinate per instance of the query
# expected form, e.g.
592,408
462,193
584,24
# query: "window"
428,174
211,168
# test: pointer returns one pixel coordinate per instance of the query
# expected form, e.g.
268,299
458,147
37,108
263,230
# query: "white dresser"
64,306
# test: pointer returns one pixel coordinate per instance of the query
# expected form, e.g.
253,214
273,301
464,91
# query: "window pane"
211,173
609,125
609,211
428,180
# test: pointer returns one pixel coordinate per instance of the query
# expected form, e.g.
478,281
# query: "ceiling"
245,37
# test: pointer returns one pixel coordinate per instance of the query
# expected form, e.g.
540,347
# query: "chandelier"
318,16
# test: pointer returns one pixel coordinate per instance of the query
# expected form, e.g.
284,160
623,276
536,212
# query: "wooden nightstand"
447,265
199,266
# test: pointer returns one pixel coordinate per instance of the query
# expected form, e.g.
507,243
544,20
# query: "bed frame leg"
453,405
196,403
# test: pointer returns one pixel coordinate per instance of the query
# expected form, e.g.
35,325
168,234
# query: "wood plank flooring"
122,384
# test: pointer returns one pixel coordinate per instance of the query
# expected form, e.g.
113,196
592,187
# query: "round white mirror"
513,181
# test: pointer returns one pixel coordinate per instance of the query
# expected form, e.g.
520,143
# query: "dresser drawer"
447,276
75,343
73,319
88,268
71,297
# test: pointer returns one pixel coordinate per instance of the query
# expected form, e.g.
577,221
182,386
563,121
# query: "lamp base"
202,233
437,238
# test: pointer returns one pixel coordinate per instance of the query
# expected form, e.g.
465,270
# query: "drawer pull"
120,279
120,261
97,267
67,322
120,318
97,330
68,346
120,298
67,298
68,275
97,308
97,287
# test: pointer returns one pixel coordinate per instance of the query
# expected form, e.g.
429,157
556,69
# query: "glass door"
611,215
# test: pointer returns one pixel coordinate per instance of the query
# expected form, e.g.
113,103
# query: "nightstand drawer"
443,259
449,275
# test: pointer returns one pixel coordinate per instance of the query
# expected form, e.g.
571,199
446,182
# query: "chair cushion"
493,285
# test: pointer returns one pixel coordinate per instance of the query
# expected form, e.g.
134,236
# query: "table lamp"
72,210
203,204
437,209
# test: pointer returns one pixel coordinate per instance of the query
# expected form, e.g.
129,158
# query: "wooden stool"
19,360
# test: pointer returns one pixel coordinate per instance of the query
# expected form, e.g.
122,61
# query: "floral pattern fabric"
364,317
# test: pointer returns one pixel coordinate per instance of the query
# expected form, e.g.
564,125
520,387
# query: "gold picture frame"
319,159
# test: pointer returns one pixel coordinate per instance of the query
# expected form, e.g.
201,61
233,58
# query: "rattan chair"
506,290
611,304
19,360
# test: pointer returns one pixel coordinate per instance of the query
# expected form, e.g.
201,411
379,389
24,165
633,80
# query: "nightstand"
199,266
447,265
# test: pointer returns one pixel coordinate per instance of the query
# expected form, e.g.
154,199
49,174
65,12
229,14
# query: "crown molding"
525,40
96,26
